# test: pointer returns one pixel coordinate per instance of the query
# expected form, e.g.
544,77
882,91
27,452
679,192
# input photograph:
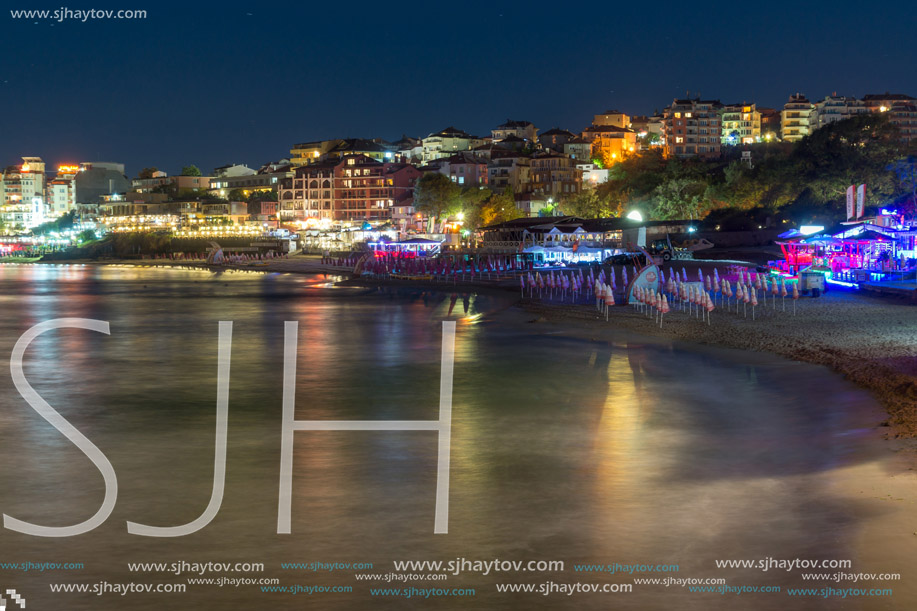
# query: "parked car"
626,258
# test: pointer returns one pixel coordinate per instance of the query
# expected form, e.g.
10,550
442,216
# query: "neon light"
841,283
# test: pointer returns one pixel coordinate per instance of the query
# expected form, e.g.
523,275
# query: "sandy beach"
870,340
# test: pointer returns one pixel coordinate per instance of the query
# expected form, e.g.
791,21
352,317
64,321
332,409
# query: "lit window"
687,115
679,140
678,115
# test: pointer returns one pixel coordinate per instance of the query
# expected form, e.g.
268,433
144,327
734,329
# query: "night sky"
242,82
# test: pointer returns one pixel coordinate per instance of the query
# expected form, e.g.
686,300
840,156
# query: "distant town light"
635,215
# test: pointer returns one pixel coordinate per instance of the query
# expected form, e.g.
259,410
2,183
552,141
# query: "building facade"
555,138
524,130
741,124
835,108
795,118
692,128
901,109
465,169
448,142
554,176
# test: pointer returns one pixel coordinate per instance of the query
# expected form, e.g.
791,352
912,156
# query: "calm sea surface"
627,451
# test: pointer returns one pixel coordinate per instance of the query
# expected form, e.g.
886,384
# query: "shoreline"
870,340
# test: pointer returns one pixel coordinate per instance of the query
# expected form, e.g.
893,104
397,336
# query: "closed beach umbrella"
754,304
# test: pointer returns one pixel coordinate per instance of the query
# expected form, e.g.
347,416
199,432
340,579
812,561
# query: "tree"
87,235
147,173
237,195
190,170
906,173
499,208
649,139
437,196
585,204
680,198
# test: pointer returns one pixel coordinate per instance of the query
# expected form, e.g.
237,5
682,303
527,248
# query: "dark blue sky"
242,82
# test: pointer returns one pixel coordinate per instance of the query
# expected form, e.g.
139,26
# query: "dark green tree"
437,196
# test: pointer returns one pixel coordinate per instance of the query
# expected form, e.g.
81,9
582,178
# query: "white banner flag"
861,200
849,202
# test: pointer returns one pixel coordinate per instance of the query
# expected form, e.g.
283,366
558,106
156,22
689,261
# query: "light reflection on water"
586,451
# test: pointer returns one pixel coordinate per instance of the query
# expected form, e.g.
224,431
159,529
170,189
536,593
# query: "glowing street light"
635,215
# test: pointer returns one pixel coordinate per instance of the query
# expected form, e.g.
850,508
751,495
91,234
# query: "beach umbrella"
716,275
707,284
624,276
774,291
709,306
700,274
795,296
754,304
609,300
684,274
783,292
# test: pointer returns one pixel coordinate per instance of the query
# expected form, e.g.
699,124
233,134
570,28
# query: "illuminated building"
554,176
508,169
401,178
900,108
692,128
23,190
795,118
770,124
447,142
61,191
611,137
307,153
267,178
360,190
741,124
835,108
578,148
409,150
355,187
610,143
649,129
523,130
309,193
592,175
465,169
175,184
